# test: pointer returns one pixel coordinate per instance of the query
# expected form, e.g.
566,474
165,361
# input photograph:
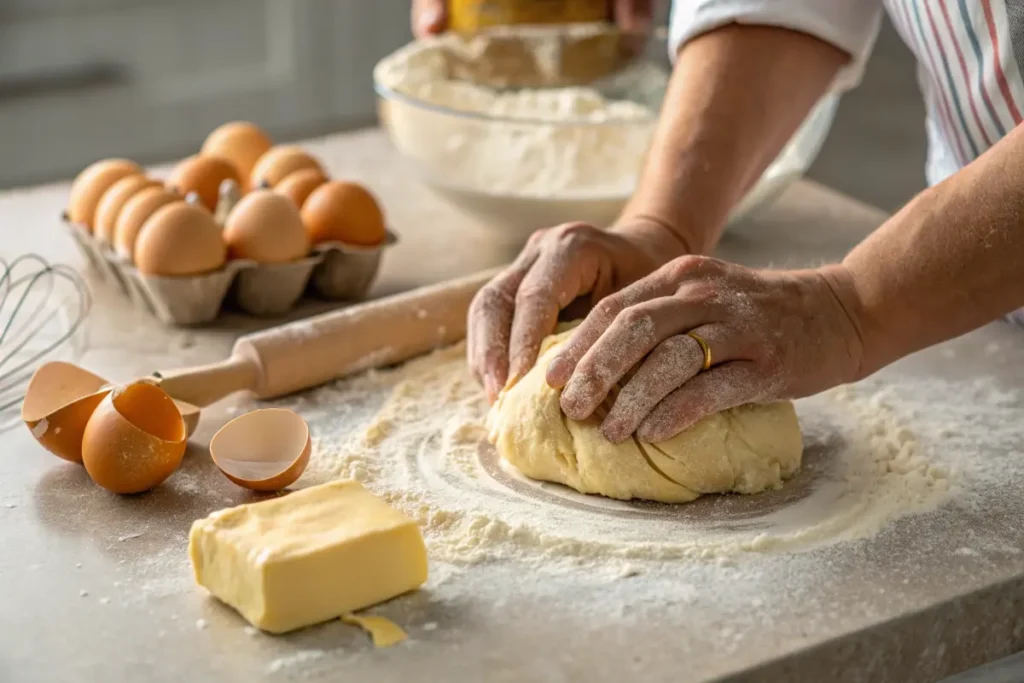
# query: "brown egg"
300,184
133,215
180,239
279,163
134,440
340,211
90,185
113,202
202,175
240,142
266,227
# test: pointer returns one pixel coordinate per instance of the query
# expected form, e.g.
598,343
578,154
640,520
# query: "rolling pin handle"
207,384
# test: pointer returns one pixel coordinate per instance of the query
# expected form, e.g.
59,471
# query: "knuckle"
574,235
531,295
635,317
608,308
690,265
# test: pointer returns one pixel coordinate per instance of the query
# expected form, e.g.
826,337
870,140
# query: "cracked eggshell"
134,440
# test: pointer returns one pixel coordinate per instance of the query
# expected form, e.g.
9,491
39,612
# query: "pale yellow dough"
745,450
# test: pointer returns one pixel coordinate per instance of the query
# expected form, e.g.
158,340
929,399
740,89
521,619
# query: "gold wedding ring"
703,347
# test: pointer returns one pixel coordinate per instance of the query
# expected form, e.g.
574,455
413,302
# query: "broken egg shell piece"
263,450
59,401
134,440
190,414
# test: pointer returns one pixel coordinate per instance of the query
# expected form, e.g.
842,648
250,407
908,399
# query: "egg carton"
333,271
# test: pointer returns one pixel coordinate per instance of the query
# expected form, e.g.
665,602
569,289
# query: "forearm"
736,96
950,261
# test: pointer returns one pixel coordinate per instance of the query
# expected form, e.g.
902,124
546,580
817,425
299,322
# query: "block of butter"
307,557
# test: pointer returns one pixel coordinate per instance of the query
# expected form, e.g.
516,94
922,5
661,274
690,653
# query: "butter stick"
307,557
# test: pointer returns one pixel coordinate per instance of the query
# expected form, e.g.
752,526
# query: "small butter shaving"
383,631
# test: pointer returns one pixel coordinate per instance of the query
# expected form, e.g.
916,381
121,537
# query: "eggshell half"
180,239
266,227
59,401
134,440
279,163
113,201
263,450
90,185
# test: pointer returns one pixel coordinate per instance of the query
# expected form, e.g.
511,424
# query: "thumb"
429,17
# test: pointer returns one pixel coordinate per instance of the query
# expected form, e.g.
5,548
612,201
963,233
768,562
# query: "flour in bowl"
567,142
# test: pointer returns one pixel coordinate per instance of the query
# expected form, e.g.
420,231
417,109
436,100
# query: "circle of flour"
425,451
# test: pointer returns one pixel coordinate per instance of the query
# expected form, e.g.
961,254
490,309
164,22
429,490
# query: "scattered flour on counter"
565,142
873,454
296,660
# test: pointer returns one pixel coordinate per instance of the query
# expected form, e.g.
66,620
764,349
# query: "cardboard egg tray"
333,271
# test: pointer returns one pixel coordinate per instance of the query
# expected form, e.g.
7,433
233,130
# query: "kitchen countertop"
97,586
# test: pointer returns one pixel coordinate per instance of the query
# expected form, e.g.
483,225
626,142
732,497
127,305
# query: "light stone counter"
96,587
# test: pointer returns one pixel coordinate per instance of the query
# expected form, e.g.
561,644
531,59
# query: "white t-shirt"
970,56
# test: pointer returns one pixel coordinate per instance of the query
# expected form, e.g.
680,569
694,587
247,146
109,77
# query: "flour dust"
416,436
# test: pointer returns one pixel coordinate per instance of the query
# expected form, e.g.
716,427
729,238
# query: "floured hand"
772,335
510,316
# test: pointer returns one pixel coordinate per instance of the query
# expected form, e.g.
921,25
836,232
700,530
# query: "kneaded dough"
747,449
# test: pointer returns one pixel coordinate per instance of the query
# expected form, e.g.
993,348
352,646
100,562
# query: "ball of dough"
746,449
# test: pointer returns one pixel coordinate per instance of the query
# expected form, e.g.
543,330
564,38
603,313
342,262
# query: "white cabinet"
85,79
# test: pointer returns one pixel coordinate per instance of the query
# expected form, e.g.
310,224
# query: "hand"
772,335
430,17
513,313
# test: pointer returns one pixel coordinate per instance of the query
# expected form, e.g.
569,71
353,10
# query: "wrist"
660,239
841,289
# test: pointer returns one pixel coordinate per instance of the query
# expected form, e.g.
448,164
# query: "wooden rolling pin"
307,353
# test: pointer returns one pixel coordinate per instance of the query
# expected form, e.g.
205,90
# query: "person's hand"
511,315
430,17
772,335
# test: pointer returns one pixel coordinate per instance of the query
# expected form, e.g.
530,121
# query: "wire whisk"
42,305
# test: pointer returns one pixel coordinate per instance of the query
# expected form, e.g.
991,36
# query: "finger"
669,366
551,285
599,319
724,386
634,333
490,322
429,17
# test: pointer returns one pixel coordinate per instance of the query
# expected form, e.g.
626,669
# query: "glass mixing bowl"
529,127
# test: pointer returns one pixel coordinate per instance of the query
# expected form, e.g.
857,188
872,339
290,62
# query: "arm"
736,97
950,261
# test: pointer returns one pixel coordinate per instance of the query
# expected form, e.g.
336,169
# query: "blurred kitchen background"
148,79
